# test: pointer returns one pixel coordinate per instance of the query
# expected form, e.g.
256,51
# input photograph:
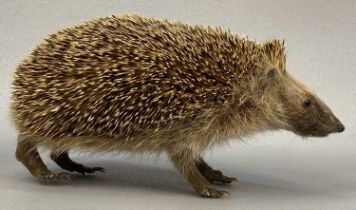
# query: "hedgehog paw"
63,160
55,176
217,177
83,169
213,193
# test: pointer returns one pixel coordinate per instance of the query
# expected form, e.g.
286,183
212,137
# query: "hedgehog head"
291,105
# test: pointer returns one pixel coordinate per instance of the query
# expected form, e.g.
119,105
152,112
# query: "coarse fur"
141,85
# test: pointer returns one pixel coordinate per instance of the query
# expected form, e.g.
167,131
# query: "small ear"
269,77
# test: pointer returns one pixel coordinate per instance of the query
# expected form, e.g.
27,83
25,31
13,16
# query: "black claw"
98,169
83,169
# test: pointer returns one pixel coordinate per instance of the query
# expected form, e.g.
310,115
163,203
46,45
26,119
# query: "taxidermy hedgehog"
144,85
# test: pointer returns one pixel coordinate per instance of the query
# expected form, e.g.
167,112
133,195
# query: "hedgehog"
144,85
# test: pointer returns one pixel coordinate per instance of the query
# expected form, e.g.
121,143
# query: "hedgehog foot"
213,193
66,163
185,163
55,176
213,176
26,152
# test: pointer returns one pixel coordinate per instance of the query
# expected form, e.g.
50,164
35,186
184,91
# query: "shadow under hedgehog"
145,85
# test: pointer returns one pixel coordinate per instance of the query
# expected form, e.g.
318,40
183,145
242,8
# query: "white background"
276,170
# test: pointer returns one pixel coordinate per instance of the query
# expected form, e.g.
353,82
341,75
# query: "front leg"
184,162
213,176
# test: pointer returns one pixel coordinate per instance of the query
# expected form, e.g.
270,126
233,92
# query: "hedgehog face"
291,105
304,113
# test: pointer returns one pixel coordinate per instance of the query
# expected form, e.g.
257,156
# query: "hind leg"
213,176
27,154
63,160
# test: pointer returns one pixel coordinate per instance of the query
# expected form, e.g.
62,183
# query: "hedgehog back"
117,76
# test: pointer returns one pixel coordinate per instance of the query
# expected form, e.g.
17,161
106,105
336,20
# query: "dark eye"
307,103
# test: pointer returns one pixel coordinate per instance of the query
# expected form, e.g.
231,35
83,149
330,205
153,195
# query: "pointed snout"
340,128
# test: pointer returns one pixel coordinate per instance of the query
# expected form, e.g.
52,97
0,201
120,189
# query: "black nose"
341,128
